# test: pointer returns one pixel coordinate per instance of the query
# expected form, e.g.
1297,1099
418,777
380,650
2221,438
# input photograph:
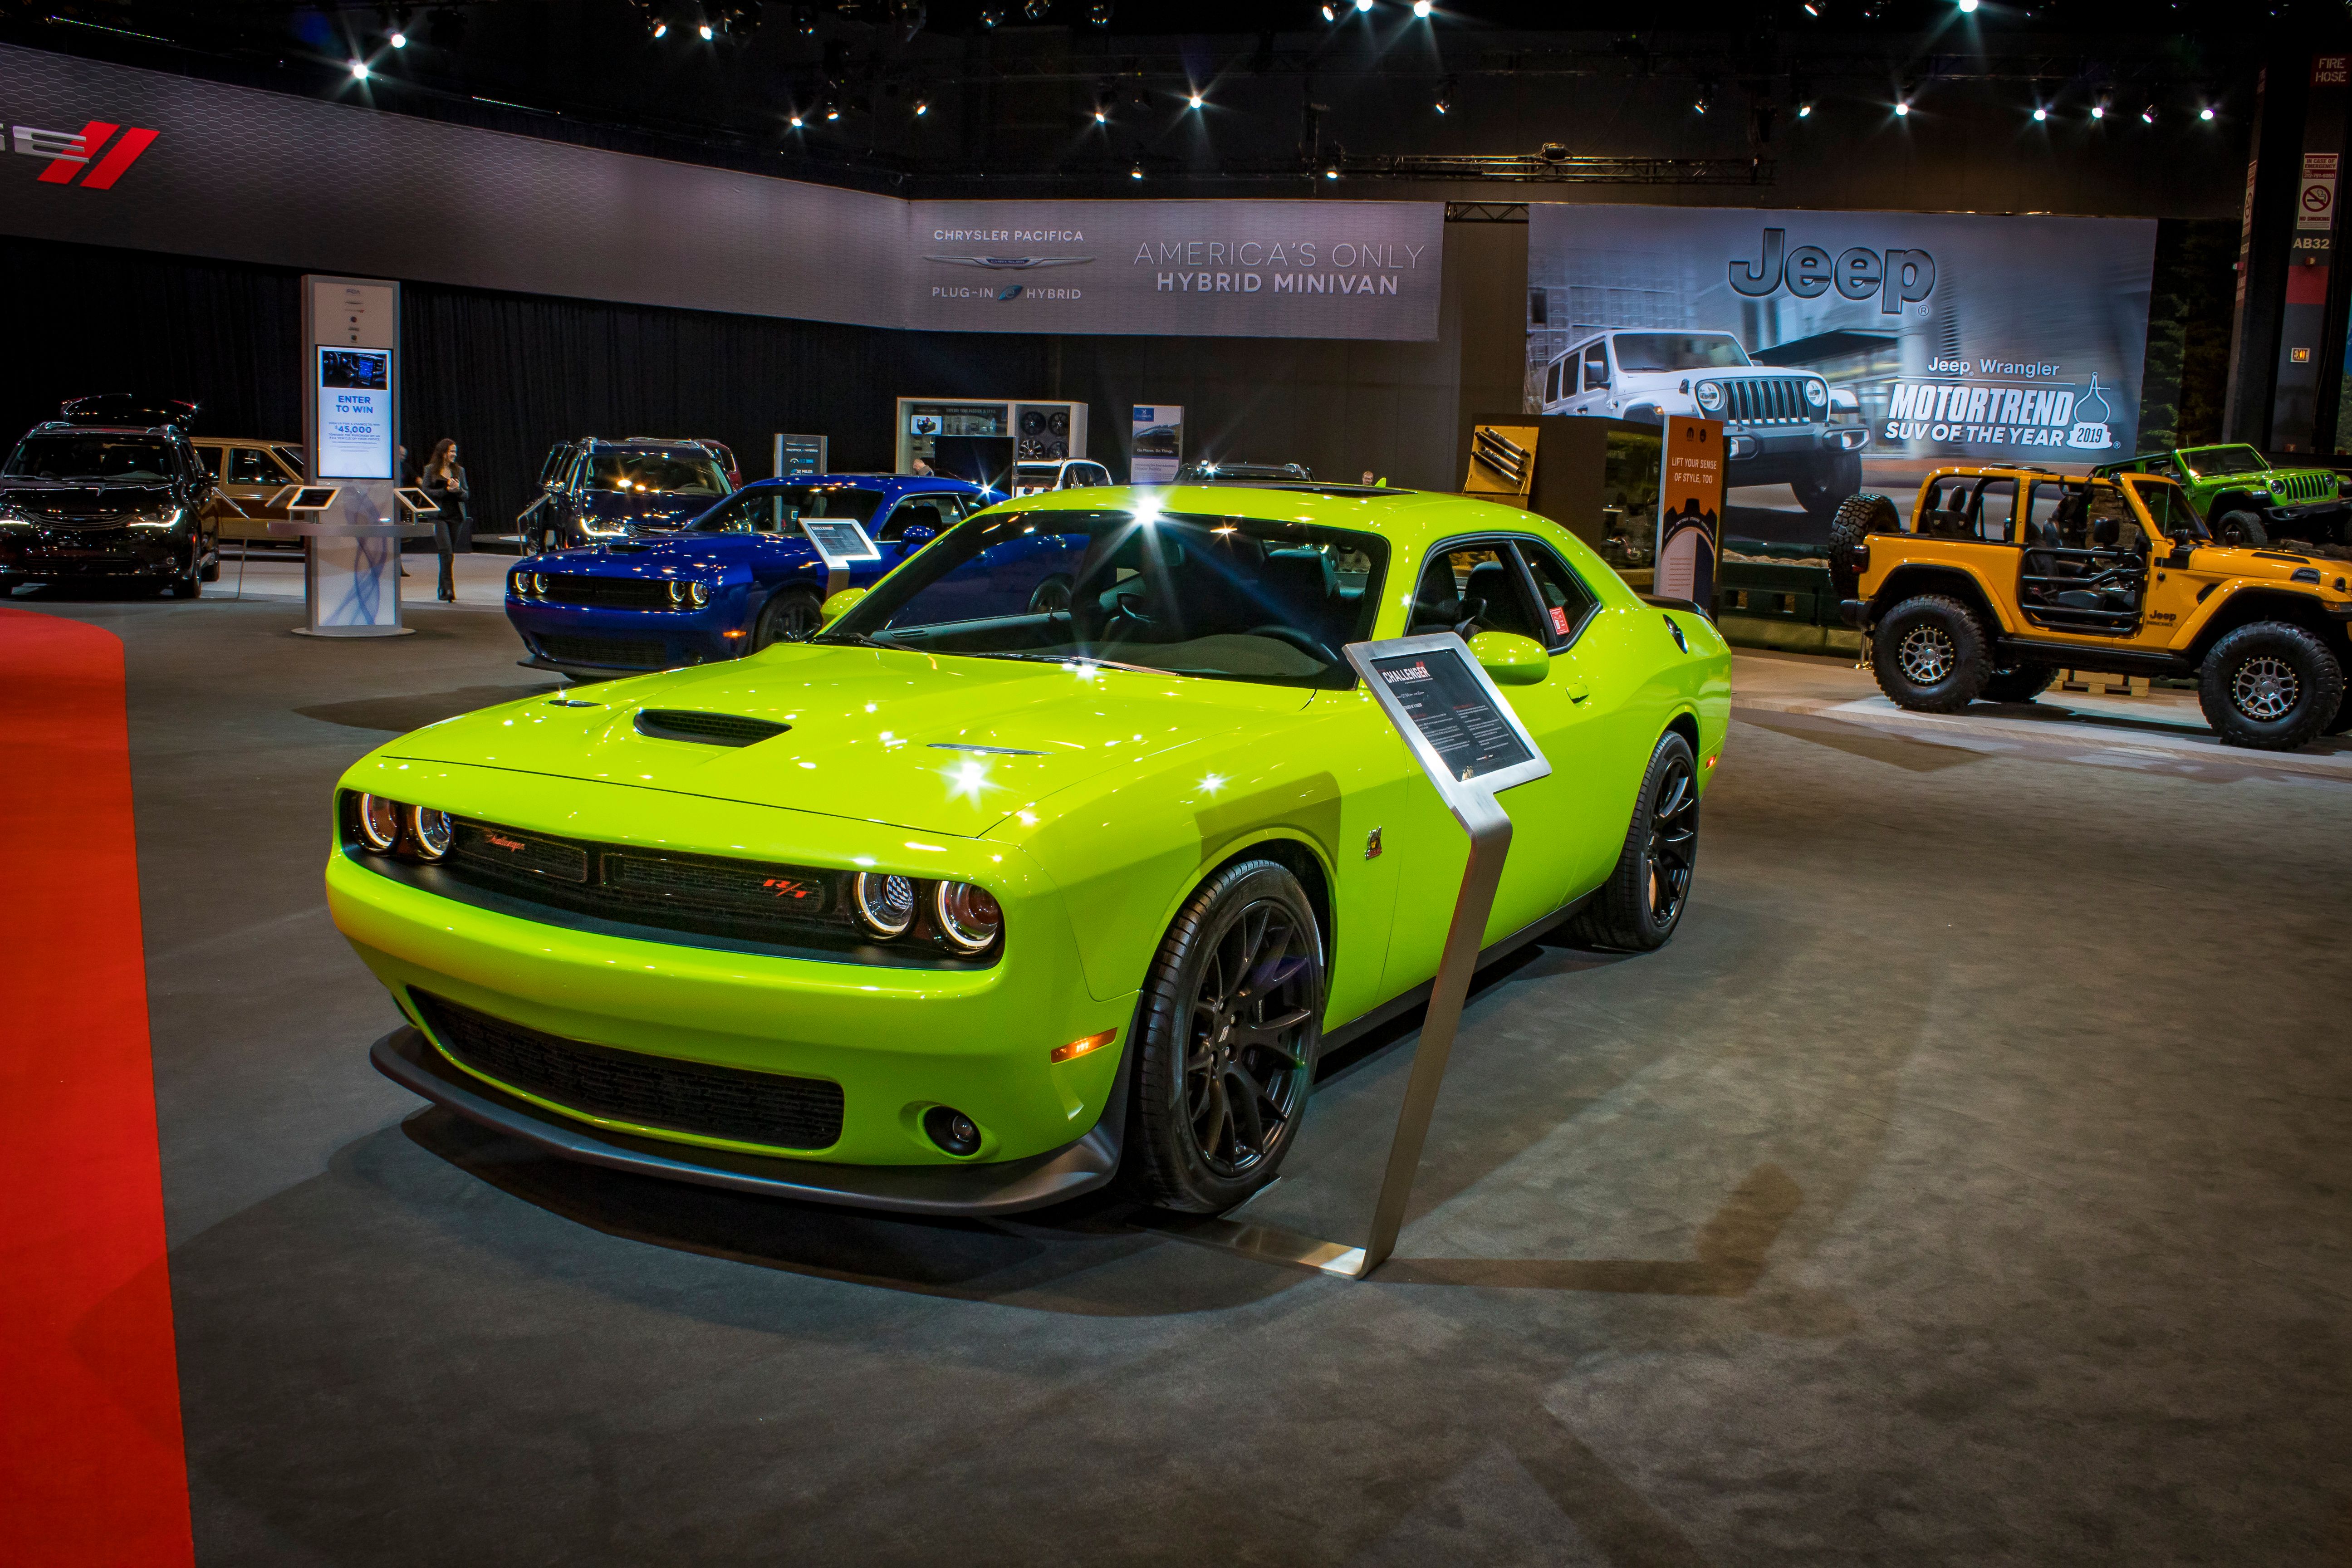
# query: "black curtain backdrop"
506,374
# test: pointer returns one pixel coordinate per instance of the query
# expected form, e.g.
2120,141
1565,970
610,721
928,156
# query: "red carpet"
92,1469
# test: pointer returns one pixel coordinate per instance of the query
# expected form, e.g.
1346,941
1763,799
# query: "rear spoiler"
1660,601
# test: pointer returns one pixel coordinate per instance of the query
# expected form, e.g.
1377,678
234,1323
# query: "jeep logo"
1898,278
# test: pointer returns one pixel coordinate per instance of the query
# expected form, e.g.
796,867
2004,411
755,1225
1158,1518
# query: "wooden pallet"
2099,683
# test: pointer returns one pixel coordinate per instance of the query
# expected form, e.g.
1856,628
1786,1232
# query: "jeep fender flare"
1962,583
2230,500
1645,414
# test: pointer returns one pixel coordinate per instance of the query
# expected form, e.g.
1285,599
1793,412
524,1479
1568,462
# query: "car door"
251,480
1478,584
1595,386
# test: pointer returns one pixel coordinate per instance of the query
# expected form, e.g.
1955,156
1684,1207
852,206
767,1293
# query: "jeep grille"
2304,486
1768,400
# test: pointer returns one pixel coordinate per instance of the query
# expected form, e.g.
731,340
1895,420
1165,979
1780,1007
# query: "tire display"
2270,686
1928,654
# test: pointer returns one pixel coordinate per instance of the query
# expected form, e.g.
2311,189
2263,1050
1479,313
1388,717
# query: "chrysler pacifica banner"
2014,339
111,155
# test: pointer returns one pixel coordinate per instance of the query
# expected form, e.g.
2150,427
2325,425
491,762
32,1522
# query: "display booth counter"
351,575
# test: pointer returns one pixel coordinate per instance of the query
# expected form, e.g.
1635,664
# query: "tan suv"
253,473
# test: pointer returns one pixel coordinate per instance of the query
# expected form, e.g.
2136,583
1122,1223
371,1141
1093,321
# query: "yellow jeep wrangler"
2002,576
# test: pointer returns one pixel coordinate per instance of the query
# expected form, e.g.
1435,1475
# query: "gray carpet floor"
1968,1183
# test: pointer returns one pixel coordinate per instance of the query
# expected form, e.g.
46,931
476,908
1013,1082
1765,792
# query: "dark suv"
593,492
113,490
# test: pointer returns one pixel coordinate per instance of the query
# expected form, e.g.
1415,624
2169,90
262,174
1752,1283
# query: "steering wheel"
1312,647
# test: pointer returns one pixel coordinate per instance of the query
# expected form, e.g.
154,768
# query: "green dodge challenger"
1060,854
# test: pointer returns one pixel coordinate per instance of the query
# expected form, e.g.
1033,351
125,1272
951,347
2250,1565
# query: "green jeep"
2243,498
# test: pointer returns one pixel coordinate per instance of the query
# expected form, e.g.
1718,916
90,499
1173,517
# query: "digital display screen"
1452,712
424,505
314,497
839,541
354,391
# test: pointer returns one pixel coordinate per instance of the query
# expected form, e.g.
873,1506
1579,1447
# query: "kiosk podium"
350,567
1472,746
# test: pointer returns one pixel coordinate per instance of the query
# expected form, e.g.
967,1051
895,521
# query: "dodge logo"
69,153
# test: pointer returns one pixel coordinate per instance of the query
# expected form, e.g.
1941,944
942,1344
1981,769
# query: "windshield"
779,509
2203,460
1648,352
1227,598
656,473
2167,508
131,458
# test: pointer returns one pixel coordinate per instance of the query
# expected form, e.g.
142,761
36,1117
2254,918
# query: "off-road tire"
1825,491
2270,685
1167,1164
1857,517
2240,528
790,614
1928,654
1638,907
2017,683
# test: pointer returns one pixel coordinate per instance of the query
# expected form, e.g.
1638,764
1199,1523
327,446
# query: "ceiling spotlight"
1099,13
2147,115
1804,108
1363,4
1901,105
1331,12
991,19
1332,173
1442,104
832,111
2040,112
1704,98
2205,112
1814,7
1196,100
796,120
1422,8
359,71
1102,115
922,107
399,40
1035,9
1968,7
1135,173
2099,109
661,27
705,30
804,20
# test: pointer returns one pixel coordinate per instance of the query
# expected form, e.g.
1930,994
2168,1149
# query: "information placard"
1456,716
840,542
354,393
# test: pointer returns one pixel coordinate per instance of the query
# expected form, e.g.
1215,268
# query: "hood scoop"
705,729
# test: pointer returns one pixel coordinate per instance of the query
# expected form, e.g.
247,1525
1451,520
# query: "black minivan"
113,490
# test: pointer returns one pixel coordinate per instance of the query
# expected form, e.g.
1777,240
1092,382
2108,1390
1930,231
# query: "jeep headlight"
1817,393
1710,396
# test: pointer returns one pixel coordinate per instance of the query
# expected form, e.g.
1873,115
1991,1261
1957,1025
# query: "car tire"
1928,654
187,586
2018,682
1857,517
2270,686
2343,720
210,571
1823,492
2240,528
1637,909
1213,1118
790,614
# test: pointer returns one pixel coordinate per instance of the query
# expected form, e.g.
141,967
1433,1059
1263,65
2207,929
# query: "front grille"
710,728
1768,400
627,653
507,855
606,593
2304,486
766,1108
85,523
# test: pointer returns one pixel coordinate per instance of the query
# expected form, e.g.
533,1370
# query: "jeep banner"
1834,344
108,154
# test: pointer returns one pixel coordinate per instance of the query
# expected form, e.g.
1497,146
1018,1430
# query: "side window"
1596,367
251,465
1568,604
1474,583
1551,380
952,506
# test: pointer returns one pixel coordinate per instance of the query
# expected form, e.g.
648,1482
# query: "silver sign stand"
1469,793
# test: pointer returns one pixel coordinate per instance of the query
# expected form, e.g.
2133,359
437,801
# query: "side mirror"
838,605
1510,659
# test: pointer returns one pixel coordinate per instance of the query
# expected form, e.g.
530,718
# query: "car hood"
873,734
2276,566
669,555
52,497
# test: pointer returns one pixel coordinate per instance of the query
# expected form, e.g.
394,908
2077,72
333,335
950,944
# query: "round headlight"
1817,393
379,823
697,594
967,916
885,903
538,584
432,831
1710,396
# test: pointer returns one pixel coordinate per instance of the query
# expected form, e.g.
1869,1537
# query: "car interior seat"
914,514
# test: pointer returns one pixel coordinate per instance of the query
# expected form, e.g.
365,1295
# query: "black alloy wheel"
1928,654
790,614
1638,907
2270,685
1232,1021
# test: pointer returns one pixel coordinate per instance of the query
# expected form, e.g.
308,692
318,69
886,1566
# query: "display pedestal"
351,575
1471,745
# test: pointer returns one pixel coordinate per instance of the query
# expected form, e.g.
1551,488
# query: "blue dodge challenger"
740,576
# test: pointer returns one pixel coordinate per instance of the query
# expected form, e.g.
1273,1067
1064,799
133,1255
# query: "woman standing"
445,482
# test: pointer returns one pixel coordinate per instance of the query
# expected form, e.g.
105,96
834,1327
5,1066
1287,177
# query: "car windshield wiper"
851,639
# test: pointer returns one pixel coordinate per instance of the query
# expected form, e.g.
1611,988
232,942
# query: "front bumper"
605,641
1009,1186
898,1041
1776,454
47,555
